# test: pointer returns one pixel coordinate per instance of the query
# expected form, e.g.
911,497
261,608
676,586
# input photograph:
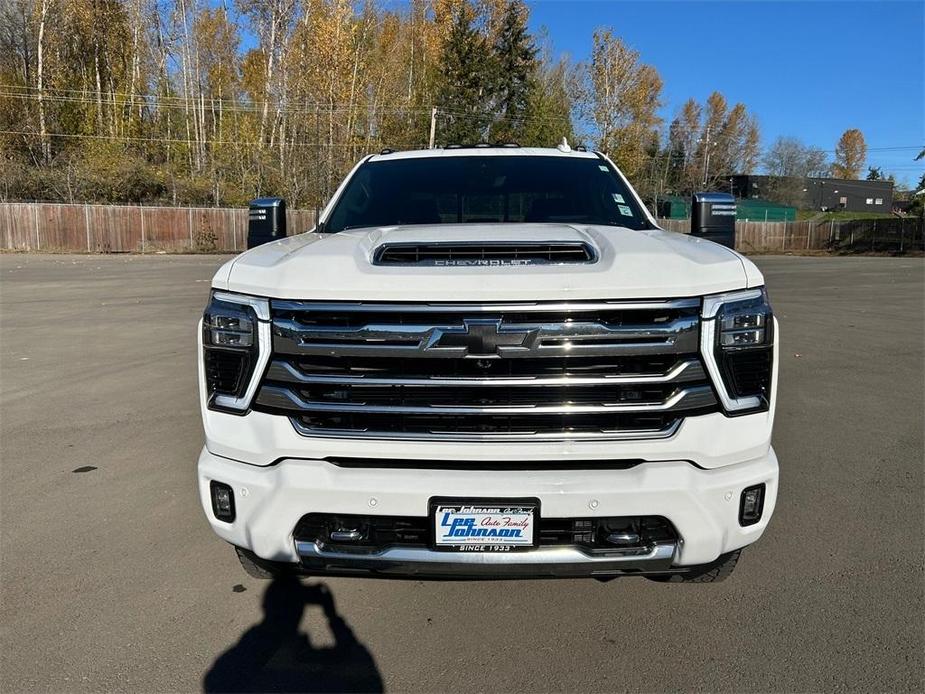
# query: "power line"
127,99
277,108
225,106
130,138
511,119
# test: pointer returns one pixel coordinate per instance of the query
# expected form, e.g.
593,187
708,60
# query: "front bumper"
548,562
701,504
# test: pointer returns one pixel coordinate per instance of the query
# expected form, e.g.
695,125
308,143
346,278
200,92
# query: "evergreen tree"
918,198
549,108
515,68
464,86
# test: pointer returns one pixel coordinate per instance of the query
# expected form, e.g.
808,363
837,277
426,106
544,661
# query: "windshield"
480,189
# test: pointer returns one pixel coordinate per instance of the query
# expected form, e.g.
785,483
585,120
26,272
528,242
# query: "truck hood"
629,264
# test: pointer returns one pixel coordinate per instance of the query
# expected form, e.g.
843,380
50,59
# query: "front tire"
714,572
261,568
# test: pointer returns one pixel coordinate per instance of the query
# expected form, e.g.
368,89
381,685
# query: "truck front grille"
488,371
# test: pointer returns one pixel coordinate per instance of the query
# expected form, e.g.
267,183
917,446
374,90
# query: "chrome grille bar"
683,371
686,398
511,340
284,305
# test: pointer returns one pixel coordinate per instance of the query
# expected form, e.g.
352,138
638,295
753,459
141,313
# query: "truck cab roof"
484,151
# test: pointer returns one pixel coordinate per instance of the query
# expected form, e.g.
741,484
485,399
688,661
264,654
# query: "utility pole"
318,193
433,125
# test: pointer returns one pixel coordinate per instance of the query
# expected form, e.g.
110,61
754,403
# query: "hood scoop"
484,253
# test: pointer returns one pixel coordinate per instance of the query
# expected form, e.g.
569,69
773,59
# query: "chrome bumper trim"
603,435
547,561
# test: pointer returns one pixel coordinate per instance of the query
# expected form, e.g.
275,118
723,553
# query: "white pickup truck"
488,362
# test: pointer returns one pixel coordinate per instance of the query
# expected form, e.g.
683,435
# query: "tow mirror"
266,221
713,217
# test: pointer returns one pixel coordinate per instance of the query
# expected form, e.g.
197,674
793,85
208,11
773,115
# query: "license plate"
484,526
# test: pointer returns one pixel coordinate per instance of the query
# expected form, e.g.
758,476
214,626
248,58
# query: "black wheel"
713,572
261,568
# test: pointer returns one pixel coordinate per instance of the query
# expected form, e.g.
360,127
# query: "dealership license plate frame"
500,504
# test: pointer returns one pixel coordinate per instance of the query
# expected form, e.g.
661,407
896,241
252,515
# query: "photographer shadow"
274,656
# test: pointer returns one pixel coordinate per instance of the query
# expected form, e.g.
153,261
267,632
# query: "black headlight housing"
744,347
230,347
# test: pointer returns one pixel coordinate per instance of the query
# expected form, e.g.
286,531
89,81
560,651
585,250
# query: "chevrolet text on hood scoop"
627,263
544,247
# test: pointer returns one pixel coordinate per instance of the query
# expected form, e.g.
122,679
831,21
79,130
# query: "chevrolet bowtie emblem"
480,338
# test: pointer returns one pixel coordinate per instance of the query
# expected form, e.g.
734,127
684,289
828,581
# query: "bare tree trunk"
411,62
353,86
24,32
40,82
329,154
135,68
270,48
283,122
112,107
165,79
187,70
99,84
200,106
202,126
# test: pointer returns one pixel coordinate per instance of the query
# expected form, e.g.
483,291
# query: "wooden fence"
146,229
847,235
130,229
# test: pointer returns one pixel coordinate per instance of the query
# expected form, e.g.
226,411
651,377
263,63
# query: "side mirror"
713,217
266,221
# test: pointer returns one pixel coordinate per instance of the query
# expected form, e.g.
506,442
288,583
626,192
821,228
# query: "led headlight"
738,344
232,348
744,323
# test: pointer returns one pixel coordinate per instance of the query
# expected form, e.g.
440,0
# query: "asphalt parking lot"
112,580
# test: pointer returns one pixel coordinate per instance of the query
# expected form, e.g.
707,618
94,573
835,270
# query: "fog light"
625,538
751,505
346,535
222,501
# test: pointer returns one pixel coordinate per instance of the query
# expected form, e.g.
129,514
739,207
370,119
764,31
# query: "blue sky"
807,69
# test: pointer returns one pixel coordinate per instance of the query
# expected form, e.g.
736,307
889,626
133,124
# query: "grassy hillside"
840,214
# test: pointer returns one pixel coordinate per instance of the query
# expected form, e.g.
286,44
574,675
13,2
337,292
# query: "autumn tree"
713,146
683,135
751,146
850,154
625,95
400,75
708,144
204,102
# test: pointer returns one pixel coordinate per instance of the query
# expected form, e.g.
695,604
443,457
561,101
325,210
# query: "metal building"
818,193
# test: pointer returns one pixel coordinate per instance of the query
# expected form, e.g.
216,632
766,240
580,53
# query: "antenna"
563,146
